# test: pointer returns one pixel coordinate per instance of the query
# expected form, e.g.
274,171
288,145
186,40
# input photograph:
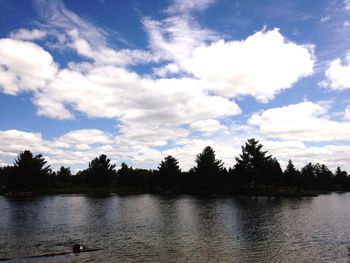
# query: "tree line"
255,170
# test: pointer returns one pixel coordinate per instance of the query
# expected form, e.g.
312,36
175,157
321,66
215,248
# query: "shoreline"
173,192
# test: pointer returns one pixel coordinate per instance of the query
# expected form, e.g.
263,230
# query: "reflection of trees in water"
182,228
263,227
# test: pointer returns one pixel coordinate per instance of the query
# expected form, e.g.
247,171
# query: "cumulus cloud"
301,154
101,92
25,34
24,66
77,147
338,74
261,65
305,121
190,89
207,126
85,137
13,141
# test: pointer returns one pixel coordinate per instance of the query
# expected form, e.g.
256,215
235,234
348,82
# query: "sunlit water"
148,228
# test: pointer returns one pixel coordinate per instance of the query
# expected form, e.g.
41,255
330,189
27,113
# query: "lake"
150,228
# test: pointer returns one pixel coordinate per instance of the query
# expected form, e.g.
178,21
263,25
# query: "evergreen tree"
169,167
253,162
29,172
64,174
272,172
208,169
291,175
126,176
324,177
308,175
100,171
207,164
341,179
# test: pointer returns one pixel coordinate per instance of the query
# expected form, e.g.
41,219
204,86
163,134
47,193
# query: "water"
148,228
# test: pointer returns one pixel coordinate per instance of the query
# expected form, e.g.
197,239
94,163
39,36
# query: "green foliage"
100,172
29,173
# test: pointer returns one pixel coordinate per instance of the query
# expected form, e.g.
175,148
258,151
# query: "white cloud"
347,4
305,121
13,141
76,148
85,137
25,34
175,38
207,126
104,55
24,66
100,92
180,6
346,23
338,74
58,19
331,155
346,114
325,19
261,65
192,90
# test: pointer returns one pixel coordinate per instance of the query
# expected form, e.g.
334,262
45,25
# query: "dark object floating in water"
77,248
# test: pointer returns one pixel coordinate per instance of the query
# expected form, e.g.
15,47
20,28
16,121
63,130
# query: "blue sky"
139,80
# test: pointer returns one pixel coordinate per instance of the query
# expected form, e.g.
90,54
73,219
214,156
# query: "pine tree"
169,167
101,171
207,164
29,172
253,163
64,174
291,175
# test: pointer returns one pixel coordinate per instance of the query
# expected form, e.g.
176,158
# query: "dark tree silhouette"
169,167
208,168
207,164
64,174
324,177
308,175
291,175
253,163
168,171
29,172
254,167
100,172
341,178
272,172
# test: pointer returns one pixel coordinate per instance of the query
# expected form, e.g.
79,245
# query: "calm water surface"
148,228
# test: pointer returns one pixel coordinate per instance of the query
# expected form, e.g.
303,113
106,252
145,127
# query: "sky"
140,80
